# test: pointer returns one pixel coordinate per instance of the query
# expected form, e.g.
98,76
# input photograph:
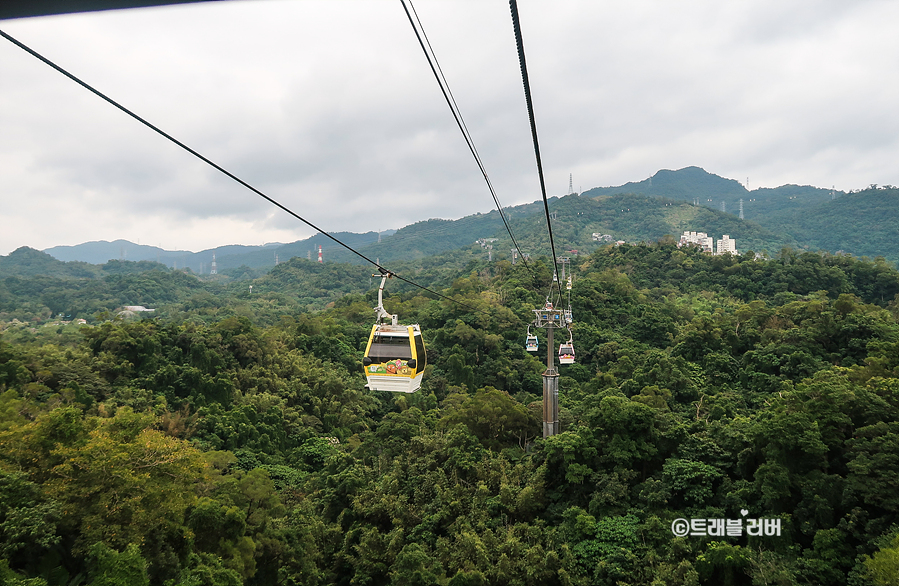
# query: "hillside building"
726,245
700,239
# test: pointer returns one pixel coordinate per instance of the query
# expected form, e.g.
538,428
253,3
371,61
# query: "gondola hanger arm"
380,312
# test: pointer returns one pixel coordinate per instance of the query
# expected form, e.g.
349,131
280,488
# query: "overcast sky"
330,107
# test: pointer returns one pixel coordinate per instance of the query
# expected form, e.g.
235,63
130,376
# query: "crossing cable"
457,114
513,6
223,170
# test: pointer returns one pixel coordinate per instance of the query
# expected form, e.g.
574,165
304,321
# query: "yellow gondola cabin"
395,356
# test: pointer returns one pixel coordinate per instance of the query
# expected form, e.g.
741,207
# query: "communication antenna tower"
570,184
320,254
276,259
723,206
747,184
308,255
213,270
741,208
833,195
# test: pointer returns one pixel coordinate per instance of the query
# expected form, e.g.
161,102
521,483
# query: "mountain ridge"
673,201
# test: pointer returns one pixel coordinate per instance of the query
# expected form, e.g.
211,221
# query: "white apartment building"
700,239
726,245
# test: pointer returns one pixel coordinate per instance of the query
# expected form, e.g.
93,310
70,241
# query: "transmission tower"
741,208
213,270
570,184
723,206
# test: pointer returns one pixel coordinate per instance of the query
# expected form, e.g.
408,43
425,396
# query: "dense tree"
227,446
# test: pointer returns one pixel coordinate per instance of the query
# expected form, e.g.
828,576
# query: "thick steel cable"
223,170
457,115
513,6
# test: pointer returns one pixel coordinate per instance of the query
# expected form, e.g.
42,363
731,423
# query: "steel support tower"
550,318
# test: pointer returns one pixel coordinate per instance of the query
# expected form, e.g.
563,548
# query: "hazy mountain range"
862,223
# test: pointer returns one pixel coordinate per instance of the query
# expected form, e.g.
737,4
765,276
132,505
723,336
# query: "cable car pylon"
550,318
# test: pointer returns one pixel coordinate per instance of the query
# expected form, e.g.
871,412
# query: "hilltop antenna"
276,259
213,270
747,184
320,254
570,184
741,208
723,206
833,196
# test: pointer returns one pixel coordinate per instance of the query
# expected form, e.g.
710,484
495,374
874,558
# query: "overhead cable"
457,114
513,6
223,170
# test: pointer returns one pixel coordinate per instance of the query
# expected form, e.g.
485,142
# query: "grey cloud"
331,108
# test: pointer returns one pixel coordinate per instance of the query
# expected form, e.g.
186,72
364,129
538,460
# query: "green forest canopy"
228,439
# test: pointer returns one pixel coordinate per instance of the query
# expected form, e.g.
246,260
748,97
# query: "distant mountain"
628,217
697,185
686,183
796,216
226,257
28,262
98,252
636,218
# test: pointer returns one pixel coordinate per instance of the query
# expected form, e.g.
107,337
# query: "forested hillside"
229,440
864,223
710,190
